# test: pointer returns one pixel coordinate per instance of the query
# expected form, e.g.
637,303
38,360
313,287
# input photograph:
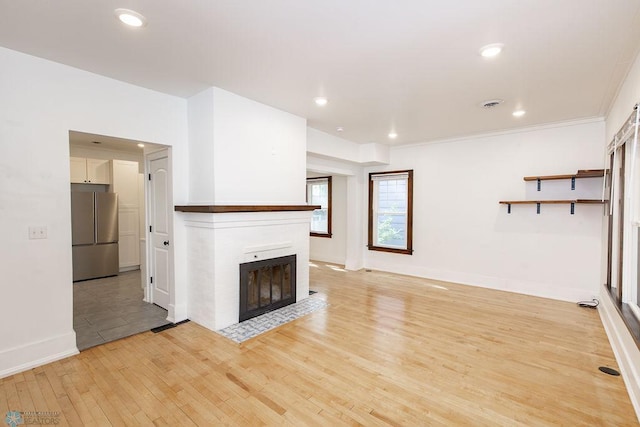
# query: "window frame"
409,247
328,234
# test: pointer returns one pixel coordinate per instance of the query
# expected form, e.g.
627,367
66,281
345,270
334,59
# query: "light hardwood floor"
389,350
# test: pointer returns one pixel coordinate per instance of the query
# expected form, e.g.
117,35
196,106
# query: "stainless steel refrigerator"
94,224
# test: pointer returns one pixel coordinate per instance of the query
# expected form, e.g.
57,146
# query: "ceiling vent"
491,103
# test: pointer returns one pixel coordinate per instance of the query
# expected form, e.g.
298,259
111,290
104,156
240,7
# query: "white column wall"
259,153
201,149
241,153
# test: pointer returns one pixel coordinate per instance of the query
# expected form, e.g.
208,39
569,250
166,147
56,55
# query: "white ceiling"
406,65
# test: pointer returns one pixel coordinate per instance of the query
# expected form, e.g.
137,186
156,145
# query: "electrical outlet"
38,232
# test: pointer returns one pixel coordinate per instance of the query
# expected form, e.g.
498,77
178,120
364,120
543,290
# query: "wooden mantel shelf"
244,208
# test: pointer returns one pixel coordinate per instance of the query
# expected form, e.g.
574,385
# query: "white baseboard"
537,289
177,313
624,348
328,259
38,353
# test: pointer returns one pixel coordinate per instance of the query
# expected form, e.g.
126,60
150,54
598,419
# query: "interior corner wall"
259,153
334,249
41,102
354,198
461,234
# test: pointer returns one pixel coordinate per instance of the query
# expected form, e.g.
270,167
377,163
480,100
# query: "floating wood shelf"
582,173
550,202
244,208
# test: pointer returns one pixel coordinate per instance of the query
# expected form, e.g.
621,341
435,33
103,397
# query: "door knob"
166,243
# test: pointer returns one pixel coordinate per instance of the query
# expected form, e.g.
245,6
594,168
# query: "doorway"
110,308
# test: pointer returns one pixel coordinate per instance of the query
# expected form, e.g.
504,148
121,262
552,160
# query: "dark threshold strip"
167,326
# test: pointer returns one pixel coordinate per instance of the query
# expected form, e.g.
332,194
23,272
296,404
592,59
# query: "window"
319,193
623,250
390,211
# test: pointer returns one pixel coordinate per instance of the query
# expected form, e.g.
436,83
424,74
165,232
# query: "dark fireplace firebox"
267,285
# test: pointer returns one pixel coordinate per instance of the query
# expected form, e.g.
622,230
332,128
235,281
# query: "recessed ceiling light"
141,145
321,101
518,113
340,129
393,135
491,50
131,18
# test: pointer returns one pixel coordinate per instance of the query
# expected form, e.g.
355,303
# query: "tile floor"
112,308
253,327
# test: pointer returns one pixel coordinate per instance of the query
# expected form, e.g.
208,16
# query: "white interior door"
161,252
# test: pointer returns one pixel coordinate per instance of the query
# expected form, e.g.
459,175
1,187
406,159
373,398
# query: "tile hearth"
251,328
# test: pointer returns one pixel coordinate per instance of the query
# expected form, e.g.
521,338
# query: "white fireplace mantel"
218,242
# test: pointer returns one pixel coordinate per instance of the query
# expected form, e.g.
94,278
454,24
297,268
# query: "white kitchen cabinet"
126,184
90,171
128,238
78,168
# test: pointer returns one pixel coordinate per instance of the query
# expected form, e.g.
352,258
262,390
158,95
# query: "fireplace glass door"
266,285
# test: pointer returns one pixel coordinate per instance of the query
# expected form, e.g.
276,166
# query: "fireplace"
266,285
221,238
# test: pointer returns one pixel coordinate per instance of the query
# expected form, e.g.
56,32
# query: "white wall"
333,249
461,233
259,153
40,102
201,177
624,346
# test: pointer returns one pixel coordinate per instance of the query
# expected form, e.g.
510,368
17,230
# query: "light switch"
38,232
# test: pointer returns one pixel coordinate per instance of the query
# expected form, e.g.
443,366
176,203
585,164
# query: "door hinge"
149,177
150,229
152,279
